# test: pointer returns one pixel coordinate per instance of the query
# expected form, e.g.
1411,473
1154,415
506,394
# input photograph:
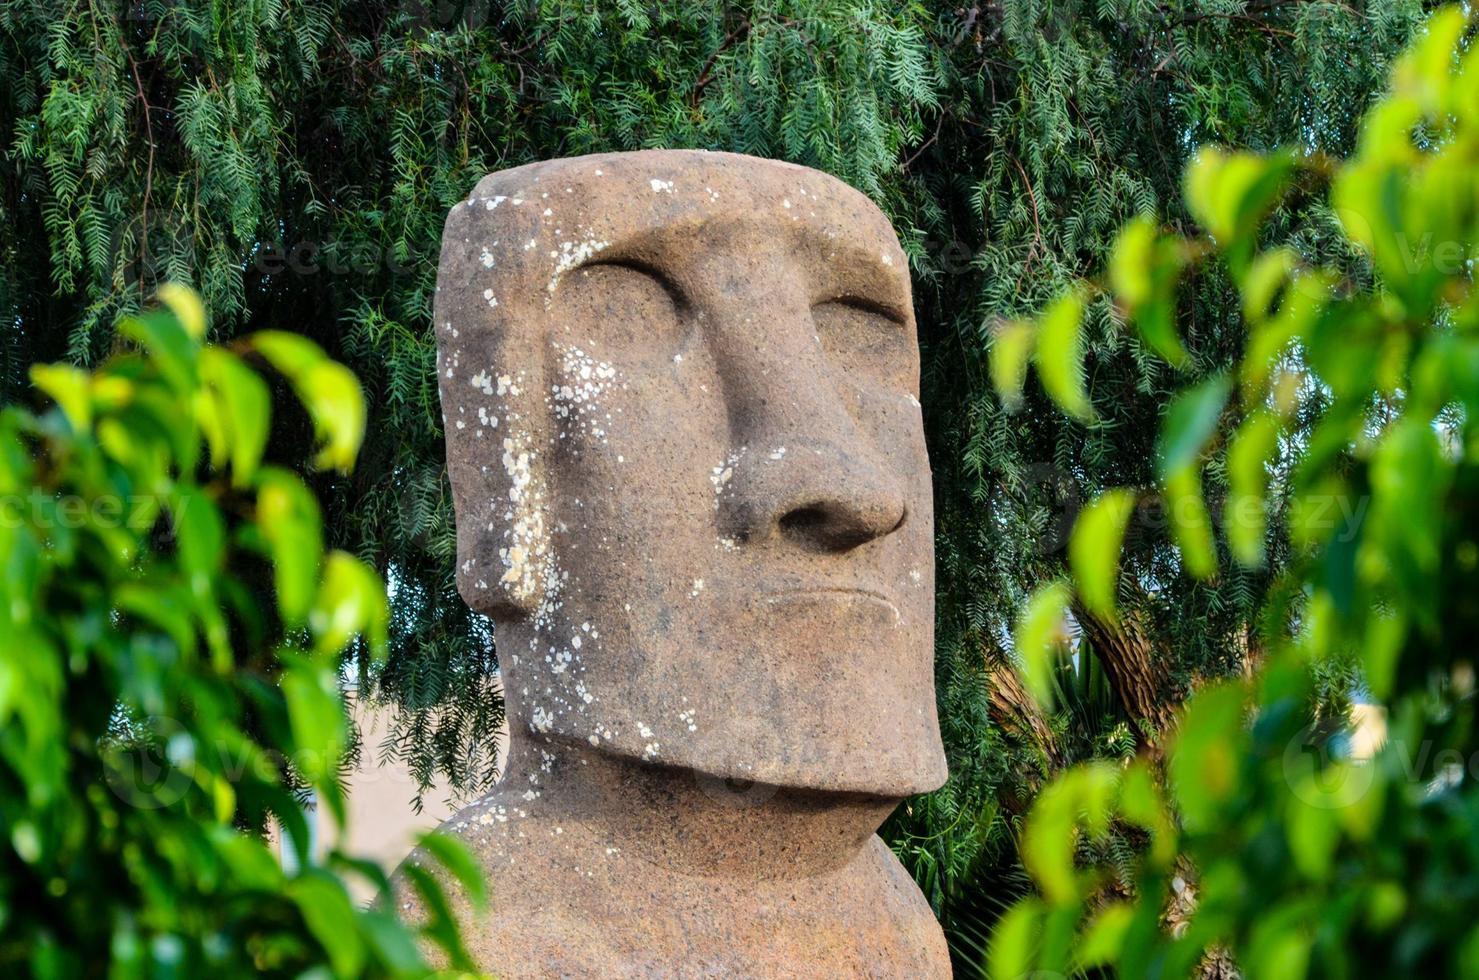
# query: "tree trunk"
1017,712
1137,675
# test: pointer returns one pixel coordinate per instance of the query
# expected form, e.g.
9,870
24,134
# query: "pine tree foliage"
295,160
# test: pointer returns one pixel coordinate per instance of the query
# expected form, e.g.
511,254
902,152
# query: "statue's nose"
801,468
817,496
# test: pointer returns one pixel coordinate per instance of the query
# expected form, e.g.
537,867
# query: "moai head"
688,466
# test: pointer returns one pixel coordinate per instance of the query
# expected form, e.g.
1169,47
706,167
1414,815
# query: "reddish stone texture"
692,491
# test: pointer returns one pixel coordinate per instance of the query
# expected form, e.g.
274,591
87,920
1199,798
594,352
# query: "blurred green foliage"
157,713
1288,852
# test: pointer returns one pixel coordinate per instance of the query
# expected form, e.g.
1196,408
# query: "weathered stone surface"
692,491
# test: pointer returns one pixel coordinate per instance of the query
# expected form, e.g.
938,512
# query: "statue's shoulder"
515,841
532,924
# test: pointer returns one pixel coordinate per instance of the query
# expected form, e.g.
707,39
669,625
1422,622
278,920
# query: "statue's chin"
746,769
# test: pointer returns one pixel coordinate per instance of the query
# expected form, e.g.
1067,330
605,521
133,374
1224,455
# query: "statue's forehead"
563,213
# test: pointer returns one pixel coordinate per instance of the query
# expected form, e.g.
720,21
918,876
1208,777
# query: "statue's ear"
490,333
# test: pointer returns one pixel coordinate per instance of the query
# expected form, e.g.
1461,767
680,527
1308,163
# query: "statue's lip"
835,592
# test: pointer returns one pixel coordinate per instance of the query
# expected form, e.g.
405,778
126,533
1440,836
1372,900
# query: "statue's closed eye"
625,312
864,340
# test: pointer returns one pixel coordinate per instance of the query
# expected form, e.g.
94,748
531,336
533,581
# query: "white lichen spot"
720,475
576,398
698,586
528,560
487,259
887,259
570,255
661,186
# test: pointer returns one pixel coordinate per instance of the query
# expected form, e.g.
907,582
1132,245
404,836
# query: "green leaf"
1425,70
1104,936
1230,192
1303,302
1060,355
1265,276
293,355
288,517
1011,347
329,391
1040,634
1189,424
1313,835
242,408
1191,527
1281,939
1081,795
1141,804
316,716
351,600
1206,755
1245,512
330,916
1094,550
1132,262
185,303
1014,941
1144,269
338,409
68,387
454,855
166,609
171,349
201,534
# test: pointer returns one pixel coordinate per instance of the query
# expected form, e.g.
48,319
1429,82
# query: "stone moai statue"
692,492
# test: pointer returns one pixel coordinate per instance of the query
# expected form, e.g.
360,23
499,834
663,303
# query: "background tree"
1354,404
296,160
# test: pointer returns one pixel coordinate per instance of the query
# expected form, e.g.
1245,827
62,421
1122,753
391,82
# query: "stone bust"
692,492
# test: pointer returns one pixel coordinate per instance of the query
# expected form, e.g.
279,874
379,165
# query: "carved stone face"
689,469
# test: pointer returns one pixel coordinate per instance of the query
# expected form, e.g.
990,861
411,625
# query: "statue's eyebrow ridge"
844,266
